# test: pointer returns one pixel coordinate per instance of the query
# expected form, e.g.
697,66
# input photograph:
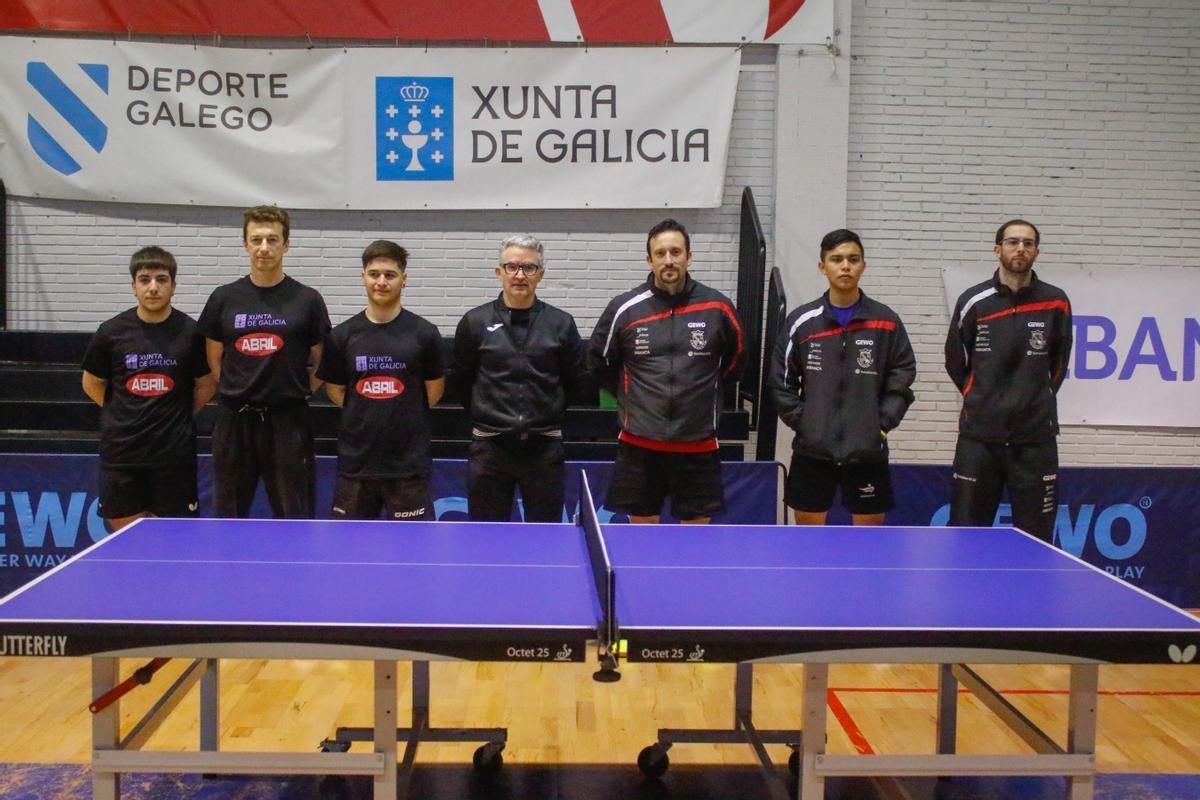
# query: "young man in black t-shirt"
264,335
384,367
146,370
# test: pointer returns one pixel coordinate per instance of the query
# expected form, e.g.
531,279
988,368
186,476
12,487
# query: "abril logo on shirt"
149,384
259,344
379,387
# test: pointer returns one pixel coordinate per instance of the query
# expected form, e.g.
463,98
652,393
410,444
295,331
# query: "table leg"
947,710
1081,725
106,728
385,728
811,786
210,698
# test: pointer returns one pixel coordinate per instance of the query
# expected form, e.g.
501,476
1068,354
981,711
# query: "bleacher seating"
43,408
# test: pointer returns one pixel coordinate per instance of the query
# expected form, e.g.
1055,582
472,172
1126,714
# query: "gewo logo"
43,520
1117,531
62,131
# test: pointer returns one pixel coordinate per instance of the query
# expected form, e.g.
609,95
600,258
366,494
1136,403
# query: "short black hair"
152,257
839,237
382,248
1037,237
669,225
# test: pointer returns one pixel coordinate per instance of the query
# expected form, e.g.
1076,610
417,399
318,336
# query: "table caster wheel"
488,759
653,761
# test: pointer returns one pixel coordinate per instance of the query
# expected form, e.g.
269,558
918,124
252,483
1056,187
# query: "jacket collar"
689,286
827,307
1002,288
502,310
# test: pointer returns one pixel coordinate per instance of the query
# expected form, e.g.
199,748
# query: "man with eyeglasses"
517,362
1007,352
663,349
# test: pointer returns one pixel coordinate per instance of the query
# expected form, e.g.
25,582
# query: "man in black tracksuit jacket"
517,361
663,349
840,377
1007,352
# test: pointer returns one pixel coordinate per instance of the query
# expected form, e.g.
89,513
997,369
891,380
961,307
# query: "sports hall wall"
1082,117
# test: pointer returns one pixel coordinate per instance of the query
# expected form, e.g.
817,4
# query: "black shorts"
399,498
812,483
642,479
163,491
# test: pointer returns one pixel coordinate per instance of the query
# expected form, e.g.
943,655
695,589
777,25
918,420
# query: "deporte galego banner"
394,128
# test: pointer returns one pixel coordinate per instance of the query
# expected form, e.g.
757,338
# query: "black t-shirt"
267,333
151,369
385,427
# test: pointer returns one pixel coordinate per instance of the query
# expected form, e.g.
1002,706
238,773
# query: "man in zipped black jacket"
663,349
1007,352
517,361
840,378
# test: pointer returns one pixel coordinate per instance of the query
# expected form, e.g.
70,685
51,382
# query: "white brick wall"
1082,117
68,260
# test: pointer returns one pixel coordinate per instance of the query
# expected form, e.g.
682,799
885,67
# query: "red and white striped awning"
523,21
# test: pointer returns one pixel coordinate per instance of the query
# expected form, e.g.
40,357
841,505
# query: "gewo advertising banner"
369,128
1140,525
1133,361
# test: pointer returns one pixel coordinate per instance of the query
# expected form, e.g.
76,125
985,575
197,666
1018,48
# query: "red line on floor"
919,690
857,738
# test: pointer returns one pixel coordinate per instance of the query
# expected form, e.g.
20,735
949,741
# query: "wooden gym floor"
1149,717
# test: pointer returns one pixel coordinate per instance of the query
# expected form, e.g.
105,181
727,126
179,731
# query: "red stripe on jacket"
1047,305
724,307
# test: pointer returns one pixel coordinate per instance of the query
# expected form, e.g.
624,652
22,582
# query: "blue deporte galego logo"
414,129
59,155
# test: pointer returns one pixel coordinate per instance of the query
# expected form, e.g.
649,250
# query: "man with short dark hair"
518,361
840,378
384,367
663,349
146,370
264,335
1007,351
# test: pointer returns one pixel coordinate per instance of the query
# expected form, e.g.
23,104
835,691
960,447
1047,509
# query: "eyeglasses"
511,268
1030,244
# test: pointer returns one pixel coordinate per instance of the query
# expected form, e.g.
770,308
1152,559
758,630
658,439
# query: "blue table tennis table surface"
513,591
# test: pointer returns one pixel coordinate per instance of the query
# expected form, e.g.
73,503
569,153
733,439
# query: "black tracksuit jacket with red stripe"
1007,353
664,357
839,387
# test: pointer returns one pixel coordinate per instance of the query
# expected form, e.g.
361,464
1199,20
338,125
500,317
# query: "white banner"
366,128
1136,343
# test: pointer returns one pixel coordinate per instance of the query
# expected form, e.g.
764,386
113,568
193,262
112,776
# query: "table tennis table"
420,591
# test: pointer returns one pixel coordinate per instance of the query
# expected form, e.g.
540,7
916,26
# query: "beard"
1017,263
